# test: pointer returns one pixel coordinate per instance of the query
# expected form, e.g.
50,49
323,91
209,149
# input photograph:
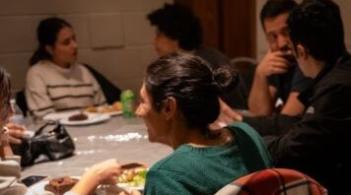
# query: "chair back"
246,67
112,92
274,181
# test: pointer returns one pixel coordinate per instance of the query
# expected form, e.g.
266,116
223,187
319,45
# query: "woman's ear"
301,51
169,108
49,49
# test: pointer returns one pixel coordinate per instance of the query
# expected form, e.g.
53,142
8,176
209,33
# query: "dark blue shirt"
291,81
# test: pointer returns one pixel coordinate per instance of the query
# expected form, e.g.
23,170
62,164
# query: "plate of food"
57,116
80,118
53,186
60,185
113,109
133,177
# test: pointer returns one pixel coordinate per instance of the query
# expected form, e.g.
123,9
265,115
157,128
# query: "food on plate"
132,165
91,109
133,175
106,109
115,107
60,185
78,117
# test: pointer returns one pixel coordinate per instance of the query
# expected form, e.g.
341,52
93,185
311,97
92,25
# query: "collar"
60,69
305,95
329,67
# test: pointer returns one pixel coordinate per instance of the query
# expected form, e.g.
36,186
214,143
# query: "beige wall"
345,7
113,35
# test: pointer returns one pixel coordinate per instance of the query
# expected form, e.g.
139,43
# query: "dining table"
122,138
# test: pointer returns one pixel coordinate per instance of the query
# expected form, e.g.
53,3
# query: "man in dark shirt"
318,144
277,76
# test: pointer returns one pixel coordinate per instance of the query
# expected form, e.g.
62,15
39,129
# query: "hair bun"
225,77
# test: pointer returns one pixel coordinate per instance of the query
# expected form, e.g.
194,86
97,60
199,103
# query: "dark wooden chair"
112,92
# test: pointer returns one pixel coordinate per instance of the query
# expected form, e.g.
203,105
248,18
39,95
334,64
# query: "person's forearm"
293,106
103,172
260,99
86,184
8,150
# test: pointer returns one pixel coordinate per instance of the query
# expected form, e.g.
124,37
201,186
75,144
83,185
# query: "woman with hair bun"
178,101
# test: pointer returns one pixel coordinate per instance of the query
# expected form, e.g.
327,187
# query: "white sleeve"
10,168
38,100
99,97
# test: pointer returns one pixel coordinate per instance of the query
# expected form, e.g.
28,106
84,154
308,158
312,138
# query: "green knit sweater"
192,170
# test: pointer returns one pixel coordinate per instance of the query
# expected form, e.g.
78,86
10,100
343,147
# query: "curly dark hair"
317,25
273,8
178,23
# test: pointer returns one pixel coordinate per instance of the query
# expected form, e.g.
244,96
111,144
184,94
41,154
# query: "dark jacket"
320,143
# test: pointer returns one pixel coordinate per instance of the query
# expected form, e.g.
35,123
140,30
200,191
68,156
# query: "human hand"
105,172
16,133
101,173
226,116
274,63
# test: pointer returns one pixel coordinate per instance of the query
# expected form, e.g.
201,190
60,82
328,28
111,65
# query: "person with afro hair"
178,30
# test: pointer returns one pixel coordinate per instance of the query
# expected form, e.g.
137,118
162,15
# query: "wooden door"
228,25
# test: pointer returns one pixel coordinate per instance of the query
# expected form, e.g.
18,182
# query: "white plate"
92,119
128,187
56,116
114,113
39,189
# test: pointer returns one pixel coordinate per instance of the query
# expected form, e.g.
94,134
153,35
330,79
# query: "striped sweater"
50,88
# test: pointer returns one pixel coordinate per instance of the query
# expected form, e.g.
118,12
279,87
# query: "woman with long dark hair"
55,80
178,101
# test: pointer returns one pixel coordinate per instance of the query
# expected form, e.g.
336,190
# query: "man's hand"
273,63
226,116
15,132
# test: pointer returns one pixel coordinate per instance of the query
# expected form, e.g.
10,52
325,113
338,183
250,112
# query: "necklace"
222,138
